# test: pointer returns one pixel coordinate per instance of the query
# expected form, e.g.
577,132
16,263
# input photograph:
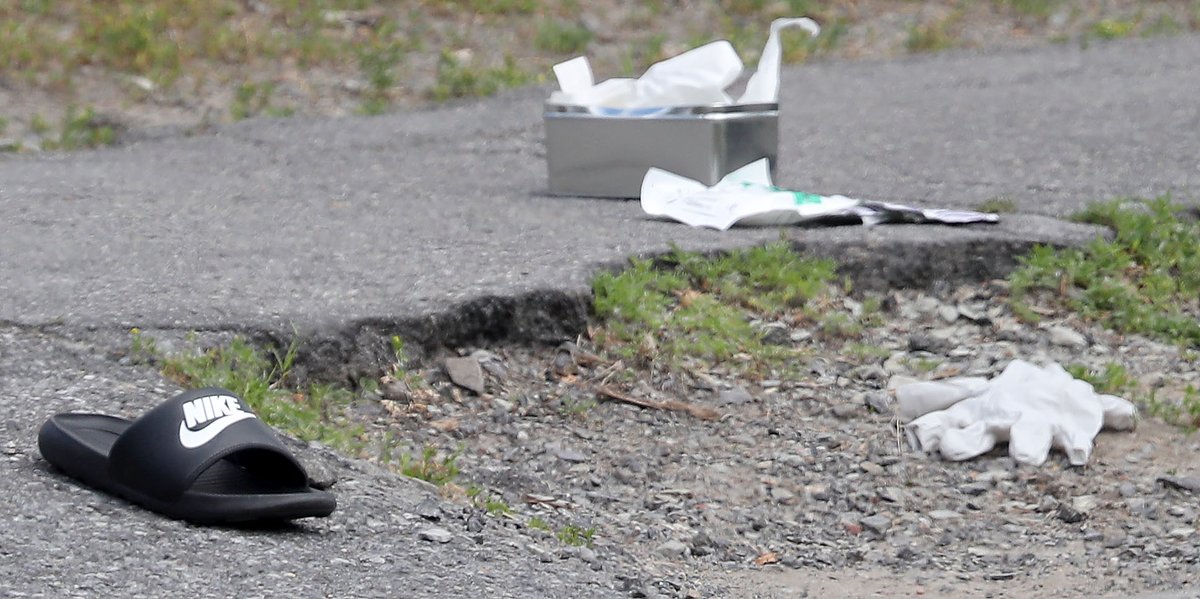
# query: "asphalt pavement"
434,224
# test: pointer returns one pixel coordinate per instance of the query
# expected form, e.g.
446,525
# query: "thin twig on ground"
674,405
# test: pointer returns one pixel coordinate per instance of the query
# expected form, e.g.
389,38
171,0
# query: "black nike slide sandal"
201,456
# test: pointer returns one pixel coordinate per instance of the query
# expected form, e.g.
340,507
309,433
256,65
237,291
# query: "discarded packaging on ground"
748,197
1033,408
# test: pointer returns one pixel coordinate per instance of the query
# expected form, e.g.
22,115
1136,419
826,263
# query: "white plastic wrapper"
698,77
1033,408
747,197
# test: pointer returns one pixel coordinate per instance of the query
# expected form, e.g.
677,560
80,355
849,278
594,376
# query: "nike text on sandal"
201,456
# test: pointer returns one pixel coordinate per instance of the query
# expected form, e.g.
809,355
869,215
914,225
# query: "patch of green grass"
576,536
429,467
694,306
932,37
998,205
872,311
79,129
1036,9
254,99
923,365
400,368
378,60
459,80
38,125
537,523
1146,280
1183,413
504,7
134,37
838,325
494,505
864,352
562,37
9,145
1111,29
1114,379
576,407
317,413
744,7
1164,25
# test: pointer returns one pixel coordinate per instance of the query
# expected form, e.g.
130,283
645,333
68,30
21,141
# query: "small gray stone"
673,549
429,509
896,364
924,341
975,313
776,333
436,535
948,313
878,523
891,494
1182,483
1139,506
735,396
845,410
1047,504
782,495
466,373
869,372
818,492
974,489
1069,514
1127,489
475,523
1181,533
1085,503
941,515
1066,337
1114,538
879,401
571,455
1181,512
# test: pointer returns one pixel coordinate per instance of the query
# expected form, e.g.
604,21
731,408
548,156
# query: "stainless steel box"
607,156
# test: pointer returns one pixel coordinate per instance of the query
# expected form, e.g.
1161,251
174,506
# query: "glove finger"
965,443
925,433
1119,414
1076,444
1029,441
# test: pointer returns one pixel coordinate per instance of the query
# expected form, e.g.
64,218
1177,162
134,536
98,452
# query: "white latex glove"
1032,408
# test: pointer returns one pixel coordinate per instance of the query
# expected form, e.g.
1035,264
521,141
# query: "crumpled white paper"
697,77
747,197
1033,408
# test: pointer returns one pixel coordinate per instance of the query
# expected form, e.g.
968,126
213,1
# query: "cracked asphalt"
434,224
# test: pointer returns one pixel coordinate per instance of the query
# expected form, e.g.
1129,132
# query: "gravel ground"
730,486
758,487
391,536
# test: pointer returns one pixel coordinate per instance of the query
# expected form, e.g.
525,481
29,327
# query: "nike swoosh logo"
192,439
